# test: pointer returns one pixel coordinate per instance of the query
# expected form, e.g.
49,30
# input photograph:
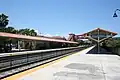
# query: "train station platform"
78,66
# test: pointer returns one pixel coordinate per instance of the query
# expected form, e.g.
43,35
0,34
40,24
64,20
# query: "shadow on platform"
102,51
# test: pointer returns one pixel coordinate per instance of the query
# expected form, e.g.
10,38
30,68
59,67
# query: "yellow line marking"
16,76
21,74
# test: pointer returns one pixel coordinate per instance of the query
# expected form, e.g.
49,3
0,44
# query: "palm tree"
3,20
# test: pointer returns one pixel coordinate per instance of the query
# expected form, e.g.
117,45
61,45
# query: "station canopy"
25,37
98,35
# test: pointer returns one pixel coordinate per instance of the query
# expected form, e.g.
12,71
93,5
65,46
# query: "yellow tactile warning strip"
17,76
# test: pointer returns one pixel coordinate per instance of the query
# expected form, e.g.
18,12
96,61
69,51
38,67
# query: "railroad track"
16,69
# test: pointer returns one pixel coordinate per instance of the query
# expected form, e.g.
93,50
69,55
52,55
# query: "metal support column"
19,47
98,41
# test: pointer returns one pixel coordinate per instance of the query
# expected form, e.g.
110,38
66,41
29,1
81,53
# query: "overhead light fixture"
115,14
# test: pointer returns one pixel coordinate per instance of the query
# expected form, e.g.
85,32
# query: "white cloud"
63,35
57,35
37,32
48,35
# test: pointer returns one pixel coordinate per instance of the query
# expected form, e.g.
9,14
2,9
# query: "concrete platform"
79,66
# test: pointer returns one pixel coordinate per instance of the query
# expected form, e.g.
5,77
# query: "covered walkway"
79,66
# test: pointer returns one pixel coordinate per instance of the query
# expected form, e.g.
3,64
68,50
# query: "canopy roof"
18,36
101,30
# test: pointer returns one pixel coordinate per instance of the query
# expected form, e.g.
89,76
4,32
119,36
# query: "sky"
61,17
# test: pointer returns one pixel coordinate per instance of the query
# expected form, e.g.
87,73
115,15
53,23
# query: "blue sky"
61,17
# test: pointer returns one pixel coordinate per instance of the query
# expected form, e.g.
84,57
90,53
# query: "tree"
3,20
30,32
112,43
10,30
23,31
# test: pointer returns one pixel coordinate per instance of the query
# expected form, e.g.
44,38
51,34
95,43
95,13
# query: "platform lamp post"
115,14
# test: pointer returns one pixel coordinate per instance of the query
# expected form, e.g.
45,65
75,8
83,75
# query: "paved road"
79,66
